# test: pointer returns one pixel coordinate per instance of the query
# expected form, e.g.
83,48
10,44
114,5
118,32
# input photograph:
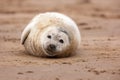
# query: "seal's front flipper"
25,34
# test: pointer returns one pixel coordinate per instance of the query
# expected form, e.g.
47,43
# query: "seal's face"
55,41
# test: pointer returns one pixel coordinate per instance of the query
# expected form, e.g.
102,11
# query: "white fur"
72,27
50,14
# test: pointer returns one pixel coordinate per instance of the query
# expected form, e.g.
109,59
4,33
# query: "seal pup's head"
55,41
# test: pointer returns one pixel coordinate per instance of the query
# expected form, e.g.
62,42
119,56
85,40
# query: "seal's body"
51,35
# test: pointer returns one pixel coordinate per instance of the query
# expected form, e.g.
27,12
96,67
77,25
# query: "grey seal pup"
51,34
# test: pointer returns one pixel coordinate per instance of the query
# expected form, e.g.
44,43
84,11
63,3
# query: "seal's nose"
52,47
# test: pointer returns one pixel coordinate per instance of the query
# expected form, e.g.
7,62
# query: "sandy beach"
98,57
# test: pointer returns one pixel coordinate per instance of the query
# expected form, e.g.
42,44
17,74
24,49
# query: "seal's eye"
49,36
61,41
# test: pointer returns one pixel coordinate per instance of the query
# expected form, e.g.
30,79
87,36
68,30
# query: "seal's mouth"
50,53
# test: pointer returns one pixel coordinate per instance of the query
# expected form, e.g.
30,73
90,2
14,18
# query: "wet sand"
98,57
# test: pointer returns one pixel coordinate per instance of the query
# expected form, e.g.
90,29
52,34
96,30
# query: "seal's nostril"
52,46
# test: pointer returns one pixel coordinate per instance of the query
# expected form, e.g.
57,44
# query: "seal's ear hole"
49,36
61,41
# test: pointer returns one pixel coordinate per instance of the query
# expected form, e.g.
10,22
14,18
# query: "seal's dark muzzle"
51,48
